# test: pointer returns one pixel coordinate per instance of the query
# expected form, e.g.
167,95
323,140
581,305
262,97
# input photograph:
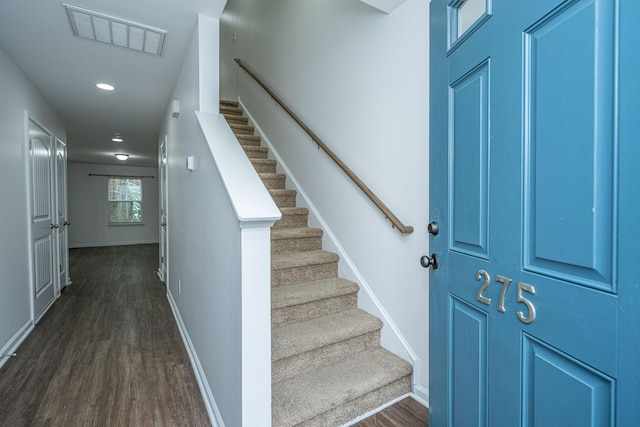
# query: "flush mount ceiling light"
122,156
117,138
105,86
103,28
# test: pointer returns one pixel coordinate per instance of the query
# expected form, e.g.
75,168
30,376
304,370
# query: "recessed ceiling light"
122,156
117,138
105,86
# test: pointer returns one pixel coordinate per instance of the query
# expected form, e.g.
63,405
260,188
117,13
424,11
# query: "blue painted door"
535,136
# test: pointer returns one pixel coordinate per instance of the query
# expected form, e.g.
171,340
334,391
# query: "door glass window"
468,13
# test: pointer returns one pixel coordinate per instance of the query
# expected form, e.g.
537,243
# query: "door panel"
42,218
468,380
469,123
545,370
570,85
527,323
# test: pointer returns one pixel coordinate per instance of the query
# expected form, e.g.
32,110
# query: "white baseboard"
12,346
391,337
101,244
203,384
385,406
421,394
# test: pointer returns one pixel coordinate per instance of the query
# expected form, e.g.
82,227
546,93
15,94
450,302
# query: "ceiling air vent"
118,32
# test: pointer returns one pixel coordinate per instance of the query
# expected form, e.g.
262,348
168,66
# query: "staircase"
327,363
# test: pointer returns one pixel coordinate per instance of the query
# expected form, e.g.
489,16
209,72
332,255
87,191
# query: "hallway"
107,353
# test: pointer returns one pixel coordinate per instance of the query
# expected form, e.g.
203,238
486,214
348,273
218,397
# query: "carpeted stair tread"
249,140
290,268
298,239
283,197
267,175
292,233
302,259
256,152
273,180
241,120
292,217
294,211
230,111
308,300
310,394
300,337
228,103
305,345
264,165
243,129
302,293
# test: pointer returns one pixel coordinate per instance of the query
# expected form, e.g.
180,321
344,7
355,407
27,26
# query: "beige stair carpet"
327,363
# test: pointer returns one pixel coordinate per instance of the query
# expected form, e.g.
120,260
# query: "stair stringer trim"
390,336
207,396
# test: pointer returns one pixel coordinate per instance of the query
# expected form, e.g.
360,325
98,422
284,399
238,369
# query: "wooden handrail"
385,210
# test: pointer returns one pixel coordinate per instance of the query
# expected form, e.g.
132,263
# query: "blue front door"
535,136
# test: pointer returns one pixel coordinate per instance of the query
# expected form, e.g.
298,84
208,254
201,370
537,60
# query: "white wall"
206,272
359,79
89,208
219,246
17,95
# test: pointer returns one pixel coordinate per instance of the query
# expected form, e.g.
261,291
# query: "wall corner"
208,64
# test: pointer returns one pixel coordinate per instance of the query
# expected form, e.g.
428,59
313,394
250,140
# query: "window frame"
110,202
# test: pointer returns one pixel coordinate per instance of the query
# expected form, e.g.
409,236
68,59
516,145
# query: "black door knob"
433,228
430,261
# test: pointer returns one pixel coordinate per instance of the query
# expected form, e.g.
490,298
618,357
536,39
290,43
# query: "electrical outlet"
179,287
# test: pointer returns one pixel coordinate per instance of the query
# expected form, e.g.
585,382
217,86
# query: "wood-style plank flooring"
405,413
108,353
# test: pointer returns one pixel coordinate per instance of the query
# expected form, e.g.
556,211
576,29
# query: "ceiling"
64,68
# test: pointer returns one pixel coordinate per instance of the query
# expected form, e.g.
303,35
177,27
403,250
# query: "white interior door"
62,213
43,219
162,271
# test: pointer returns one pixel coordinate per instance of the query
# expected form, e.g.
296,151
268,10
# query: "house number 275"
522,287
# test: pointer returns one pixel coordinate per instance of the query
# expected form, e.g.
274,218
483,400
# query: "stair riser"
252,153
292,221
236,119
359,406
228,103
289,367
230,111
290,276
242,129
249,140
311,310
262,167
276,183
300,244
285,201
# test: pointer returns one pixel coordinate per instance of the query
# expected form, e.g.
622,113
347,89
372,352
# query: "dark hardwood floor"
108,353
405,413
